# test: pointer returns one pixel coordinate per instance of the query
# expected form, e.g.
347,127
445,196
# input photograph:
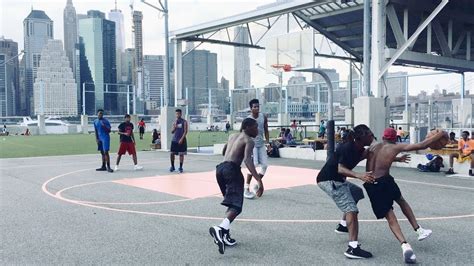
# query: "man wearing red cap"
384,190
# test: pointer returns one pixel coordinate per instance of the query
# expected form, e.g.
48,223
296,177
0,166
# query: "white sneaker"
423,233
255,188
248,194
408,254
116,168
137,167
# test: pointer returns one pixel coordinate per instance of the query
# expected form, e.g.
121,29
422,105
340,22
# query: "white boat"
49,121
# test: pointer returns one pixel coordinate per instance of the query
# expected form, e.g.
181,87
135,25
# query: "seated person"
281,137
452,139
434,165
466,151
290,140
156,137
400,134
27,132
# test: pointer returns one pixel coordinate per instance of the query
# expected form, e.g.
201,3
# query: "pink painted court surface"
203,184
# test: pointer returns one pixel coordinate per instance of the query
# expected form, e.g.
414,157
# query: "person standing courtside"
178,143
260,156
102,137
127,143
141,128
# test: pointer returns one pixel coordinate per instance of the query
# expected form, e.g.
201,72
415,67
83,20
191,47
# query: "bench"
155,146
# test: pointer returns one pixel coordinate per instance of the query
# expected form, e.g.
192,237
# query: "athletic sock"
343,223
180,165
353,244
246,186
225,224
172,164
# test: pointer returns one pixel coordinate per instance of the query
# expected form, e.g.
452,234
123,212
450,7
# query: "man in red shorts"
127,143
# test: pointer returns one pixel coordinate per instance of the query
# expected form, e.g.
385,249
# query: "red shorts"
127,147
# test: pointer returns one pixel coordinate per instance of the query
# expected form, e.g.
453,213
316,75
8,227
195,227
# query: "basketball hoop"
285,67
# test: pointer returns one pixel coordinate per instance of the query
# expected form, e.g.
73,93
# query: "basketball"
438,145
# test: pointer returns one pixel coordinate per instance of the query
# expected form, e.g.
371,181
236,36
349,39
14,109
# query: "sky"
185,13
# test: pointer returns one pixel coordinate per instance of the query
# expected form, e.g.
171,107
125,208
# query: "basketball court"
60,210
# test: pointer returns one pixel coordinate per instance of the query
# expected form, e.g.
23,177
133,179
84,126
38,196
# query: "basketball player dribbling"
383,191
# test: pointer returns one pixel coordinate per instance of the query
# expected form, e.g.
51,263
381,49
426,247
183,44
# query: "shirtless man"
231,181
384,190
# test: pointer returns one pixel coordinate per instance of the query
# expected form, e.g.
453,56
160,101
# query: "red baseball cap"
390,134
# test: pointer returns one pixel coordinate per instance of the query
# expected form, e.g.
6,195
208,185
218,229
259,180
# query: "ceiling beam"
426,6
429,60
395,25
236,44
345,26
443,43
328,35
338,12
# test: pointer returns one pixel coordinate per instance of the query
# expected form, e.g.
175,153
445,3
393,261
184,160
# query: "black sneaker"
228,241
218,235
110,170
450,172
341,229
357,253
101,169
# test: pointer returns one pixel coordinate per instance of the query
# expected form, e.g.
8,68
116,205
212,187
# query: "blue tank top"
179,132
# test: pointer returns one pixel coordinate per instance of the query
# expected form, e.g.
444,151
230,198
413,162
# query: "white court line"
60,197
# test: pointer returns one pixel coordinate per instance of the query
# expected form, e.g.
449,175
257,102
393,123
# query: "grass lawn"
51,145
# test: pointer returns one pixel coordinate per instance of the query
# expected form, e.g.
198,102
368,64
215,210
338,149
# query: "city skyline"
225,67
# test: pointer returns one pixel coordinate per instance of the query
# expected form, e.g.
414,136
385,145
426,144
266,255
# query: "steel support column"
178,71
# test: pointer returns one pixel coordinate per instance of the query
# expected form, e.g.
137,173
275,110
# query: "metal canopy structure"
445,43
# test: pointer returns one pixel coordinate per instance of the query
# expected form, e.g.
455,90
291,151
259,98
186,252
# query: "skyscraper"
55,88
37,30
138,43
199,74
86,81
153,66
396,83
98,35
116,16
71,40
9,77
138,37
241,59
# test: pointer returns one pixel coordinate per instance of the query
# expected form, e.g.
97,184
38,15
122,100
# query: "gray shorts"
345,195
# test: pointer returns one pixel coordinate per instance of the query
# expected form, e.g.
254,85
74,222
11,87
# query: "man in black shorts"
332,180
179,145
383,191
231,181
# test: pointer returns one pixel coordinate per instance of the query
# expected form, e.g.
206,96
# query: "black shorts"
141,130
231,182
382,194
179,149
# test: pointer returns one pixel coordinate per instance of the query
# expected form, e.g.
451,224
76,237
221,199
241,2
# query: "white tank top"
259,141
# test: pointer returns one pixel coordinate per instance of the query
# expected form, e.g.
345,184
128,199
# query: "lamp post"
164,9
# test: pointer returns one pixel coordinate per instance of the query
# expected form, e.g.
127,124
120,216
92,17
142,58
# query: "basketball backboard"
295,49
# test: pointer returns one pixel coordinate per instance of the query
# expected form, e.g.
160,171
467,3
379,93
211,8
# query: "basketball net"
282,67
